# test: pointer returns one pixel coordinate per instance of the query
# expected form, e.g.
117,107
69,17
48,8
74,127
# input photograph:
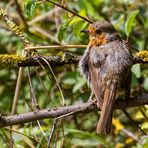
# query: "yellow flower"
118,125
128,140
119,145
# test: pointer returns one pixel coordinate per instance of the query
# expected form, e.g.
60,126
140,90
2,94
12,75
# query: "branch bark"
53,60
13,61
63,112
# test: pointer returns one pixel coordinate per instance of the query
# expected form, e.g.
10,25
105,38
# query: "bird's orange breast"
97,40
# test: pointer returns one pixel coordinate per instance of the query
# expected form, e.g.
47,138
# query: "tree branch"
53,60
20,13
11,61
67,111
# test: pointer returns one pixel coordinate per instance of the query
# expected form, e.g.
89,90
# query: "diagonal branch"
72,12
68,110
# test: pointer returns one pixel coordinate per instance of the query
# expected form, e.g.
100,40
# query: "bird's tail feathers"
105,121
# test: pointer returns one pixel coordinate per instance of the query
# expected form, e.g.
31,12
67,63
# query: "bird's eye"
98,31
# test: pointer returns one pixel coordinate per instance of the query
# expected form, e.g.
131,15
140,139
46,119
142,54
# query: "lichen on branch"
7,61
143,54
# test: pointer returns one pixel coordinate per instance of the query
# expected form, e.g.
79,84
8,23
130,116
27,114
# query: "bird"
106,65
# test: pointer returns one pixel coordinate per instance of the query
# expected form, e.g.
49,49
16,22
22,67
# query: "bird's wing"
94,64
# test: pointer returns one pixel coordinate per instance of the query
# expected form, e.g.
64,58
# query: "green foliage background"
130,18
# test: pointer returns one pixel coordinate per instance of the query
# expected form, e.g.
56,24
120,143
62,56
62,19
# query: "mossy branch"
14,28
8,61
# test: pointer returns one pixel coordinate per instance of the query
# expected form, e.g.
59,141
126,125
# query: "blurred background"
45,24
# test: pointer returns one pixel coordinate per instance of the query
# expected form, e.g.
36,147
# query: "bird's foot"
99,104
90,98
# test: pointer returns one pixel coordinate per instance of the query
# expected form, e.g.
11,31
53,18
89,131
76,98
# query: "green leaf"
130,20
29,8
62,31
145,84
87,6
77,19
78,27
82,135
69,81
70,78
81,82
134,80
136,70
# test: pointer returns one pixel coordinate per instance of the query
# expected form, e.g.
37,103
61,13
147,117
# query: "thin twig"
11,142
5,138
42,17
42,130
74,13
44,88
45,33
57,17
9,4
65,115
31,137
17,88
42,82
55,47
62,139
132,121
34,101
143,112
21,14
62,96
32,93
52,132
131,135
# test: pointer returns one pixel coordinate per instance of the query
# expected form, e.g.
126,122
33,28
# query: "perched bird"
106,65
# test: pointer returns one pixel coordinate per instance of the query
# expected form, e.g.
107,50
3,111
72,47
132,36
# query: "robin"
106,65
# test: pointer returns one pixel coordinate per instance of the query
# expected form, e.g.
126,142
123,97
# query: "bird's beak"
85,31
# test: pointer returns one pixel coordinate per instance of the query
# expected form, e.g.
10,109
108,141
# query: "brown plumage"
106,65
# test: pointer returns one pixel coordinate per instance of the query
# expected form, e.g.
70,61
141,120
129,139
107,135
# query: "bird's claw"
90,98
99,104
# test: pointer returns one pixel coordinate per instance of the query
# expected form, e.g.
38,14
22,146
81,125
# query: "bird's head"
101,32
